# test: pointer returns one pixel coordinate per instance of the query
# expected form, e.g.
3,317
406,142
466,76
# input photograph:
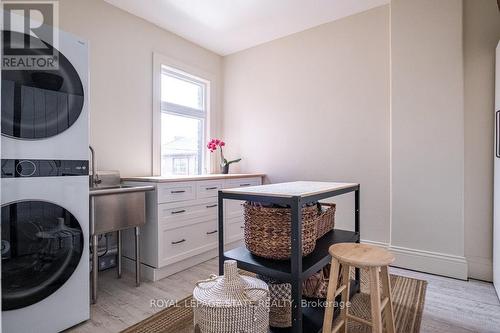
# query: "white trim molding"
426,261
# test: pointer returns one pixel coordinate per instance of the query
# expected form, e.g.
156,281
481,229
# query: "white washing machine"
44,204
45,242
45,114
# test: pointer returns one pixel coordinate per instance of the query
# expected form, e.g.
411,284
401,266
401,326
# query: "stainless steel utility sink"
115,207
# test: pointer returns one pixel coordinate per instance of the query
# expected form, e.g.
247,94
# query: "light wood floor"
451,306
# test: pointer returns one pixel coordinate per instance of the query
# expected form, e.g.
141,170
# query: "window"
183,122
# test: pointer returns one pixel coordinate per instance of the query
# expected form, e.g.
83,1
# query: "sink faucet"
93,178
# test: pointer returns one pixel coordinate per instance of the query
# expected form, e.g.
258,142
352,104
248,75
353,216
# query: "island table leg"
296,265
221,233
357,205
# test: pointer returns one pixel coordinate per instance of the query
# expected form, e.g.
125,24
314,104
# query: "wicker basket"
326,219
316,286
268,231
231,303
280,309
280,305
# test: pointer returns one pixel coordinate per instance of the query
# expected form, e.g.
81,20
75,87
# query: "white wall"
481,35
315,106
428,127
121,62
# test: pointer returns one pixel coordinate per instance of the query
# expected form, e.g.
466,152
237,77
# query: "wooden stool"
374,259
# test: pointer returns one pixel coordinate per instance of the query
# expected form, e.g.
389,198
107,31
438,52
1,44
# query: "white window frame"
160,64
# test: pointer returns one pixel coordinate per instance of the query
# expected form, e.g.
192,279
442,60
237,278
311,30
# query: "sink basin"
117,207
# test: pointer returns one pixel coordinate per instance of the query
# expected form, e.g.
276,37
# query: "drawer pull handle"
178,242
178,211
244,185
211,188
178,191
212,206
211,232
242,227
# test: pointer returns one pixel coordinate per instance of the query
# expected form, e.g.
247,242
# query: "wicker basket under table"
268,229
280,302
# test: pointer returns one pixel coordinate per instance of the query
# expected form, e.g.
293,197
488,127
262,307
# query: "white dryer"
45,242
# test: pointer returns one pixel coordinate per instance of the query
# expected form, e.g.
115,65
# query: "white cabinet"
175,192
182,228
187,241
209,189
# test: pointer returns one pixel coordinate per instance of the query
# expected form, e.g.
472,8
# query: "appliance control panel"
22,168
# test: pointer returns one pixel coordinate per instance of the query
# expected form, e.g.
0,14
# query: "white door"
496,196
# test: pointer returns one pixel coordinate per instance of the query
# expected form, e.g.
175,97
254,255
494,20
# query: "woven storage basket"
268,231
316,286
326,219
280,303
231,303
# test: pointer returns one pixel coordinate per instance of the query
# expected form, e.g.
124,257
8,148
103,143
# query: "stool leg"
330,296
346,279
386,292
375,300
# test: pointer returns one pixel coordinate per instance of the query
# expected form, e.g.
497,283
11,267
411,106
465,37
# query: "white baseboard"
426,261
149,273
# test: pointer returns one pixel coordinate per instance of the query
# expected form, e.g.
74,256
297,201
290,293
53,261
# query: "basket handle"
252,302
319,205
212,278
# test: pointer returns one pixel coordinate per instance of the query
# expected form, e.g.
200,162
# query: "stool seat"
361,255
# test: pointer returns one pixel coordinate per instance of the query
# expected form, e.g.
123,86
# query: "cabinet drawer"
208,189
175,214
243,182
184,242
233,230
175,192
233,208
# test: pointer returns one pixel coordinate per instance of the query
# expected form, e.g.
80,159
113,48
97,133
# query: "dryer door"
38,104
42,244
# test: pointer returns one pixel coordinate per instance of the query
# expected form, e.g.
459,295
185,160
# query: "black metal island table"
305,318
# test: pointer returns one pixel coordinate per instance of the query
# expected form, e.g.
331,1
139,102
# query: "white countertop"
167,179
291,189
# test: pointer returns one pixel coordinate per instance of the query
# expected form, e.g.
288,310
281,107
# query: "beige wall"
427,126
481,35
121,53
315,106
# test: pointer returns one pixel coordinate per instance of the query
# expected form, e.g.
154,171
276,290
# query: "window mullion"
182,110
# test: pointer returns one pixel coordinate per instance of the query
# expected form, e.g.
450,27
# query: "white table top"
291,189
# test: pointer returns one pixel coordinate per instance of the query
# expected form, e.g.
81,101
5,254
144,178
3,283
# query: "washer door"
38,104
42,244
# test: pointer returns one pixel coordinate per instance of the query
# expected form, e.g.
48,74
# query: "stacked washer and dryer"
44,199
